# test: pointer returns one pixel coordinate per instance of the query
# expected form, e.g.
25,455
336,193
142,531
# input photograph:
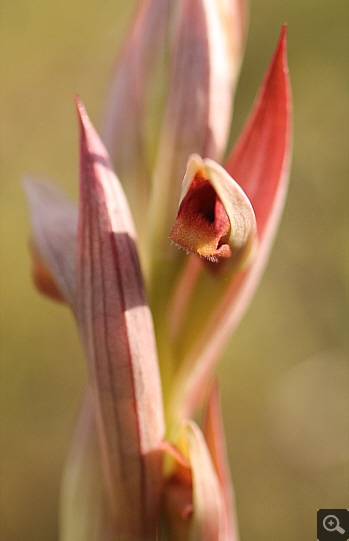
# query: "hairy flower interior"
202,225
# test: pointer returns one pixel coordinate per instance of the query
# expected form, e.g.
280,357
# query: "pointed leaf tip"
80,108
261,157
89,136
81,111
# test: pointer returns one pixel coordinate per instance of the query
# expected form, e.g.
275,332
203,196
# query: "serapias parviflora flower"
215,218
198,494
130,474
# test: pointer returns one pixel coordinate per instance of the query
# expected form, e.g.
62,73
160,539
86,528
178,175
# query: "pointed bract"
260,159
214,435
117,332
260,164
53,239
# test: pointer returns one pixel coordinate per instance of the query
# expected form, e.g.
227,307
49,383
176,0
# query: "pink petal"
117,332
54,226
260,163
214,434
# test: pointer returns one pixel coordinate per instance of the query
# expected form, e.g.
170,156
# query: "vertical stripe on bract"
260,164
116,328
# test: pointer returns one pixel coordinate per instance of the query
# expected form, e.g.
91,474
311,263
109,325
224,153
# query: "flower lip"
215,219
202,224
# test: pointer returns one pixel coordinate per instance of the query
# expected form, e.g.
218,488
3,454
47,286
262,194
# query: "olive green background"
284,377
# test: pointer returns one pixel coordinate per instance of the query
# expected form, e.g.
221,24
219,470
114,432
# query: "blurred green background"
285,375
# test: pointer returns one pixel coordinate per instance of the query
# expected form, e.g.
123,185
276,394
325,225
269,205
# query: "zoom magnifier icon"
331,524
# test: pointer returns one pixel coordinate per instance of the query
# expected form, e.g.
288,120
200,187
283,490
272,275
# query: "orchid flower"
153,320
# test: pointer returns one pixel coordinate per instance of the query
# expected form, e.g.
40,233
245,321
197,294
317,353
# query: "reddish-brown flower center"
202,225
